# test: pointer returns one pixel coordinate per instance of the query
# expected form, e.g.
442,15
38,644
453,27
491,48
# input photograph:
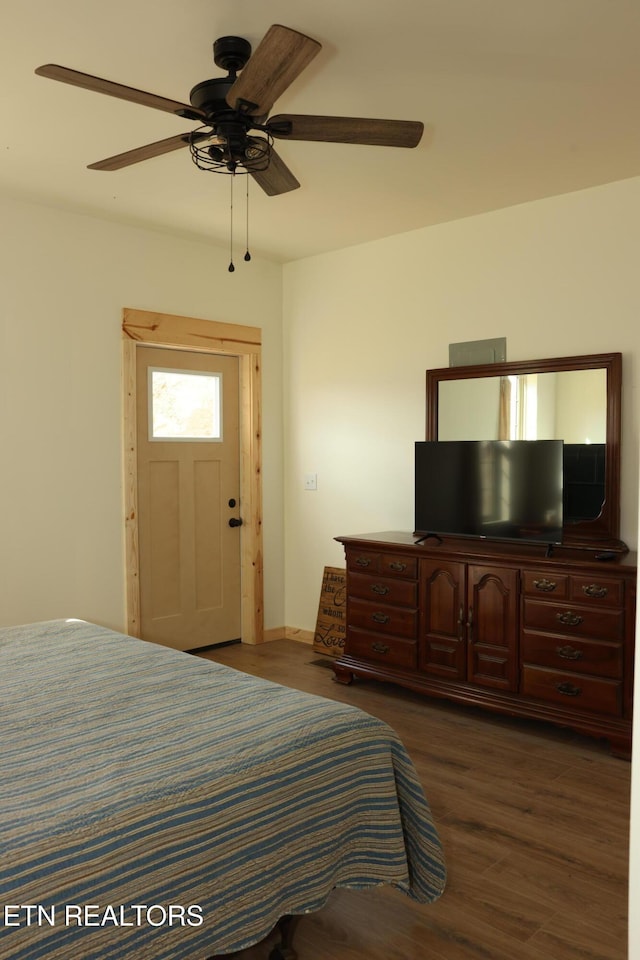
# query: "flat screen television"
499,489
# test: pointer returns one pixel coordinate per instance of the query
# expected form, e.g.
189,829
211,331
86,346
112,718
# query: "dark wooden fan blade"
380,133
55,72
277,178
149,150
279,58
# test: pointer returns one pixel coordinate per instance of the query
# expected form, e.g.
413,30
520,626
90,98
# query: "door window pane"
184,405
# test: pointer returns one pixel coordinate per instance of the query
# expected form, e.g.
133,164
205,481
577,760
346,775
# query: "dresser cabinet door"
492,627
469,623
443,611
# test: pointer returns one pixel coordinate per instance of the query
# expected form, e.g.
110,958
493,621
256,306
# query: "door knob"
235,522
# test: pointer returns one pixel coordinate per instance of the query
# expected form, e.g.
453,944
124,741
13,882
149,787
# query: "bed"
158,805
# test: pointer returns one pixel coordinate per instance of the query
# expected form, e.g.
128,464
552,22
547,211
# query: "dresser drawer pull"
594,590
380,589
380,617
363,561
548,586
379,647
398,566
569,618
568,689
569,653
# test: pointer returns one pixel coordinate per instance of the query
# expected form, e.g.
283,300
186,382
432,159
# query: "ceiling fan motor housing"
210,96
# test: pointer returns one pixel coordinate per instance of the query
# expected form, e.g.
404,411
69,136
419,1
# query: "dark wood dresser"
496,625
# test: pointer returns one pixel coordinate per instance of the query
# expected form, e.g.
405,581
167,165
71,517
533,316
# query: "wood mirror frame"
603,531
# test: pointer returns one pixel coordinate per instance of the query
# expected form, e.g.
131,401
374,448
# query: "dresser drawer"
385,564
572,690
359,560
398,566
404,593
383,618
541,583
578,654
597,590
575,620
389,650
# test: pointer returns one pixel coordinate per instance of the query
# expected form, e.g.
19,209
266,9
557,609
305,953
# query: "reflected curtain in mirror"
504,412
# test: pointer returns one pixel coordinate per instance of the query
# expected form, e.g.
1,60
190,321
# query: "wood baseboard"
295,633
288,633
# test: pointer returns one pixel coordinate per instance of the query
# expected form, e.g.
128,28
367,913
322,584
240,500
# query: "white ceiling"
521,99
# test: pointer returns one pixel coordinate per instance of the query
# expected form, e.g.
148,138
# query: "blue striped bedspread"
157,806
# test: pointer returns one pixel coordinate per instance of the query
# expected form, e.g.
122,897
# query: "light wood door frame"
206,336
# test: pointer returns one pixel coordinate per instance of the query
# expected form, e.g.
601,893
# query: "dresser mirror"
574,399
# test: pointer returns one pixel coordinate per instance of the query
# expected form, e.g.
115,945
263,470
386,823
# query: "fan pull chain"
231,266
247,255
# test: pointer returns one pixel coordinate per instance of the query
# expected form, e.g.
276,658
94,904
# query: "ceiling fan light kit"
235,134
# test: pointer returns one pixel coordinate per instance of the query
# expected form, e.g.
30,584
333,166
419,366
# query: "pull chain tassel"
231,266
247,255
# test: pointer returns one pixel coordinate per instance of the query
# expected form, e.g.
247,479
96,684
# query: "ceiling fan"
236,133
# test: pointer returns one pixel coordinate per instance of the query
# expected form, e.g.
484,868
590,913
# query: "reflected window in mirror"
569,406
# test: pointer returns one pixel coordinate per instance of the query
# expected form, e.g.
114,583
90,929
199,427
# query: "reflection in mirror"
568,405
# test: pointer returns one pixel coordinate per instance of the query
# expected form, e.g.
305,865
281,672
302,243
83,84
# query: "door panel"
162,580
207,535
493,631
189,555
442,641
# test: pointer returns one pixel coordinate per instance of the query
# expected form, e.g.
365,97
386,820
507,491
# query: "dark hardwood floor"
534,822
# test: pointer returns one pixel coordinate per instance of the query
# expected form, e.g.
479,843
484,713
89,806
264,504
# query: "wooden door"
442,631
188,491
492,627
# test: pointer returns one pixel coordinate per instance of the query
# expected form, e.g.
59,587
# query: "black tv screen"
502,489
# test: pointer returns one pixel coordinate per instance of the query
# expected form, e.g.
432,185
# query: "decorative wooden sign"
331,627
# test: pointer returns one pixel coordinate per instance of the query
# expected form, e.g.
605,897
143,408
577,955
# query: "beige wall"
64,279
556,277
